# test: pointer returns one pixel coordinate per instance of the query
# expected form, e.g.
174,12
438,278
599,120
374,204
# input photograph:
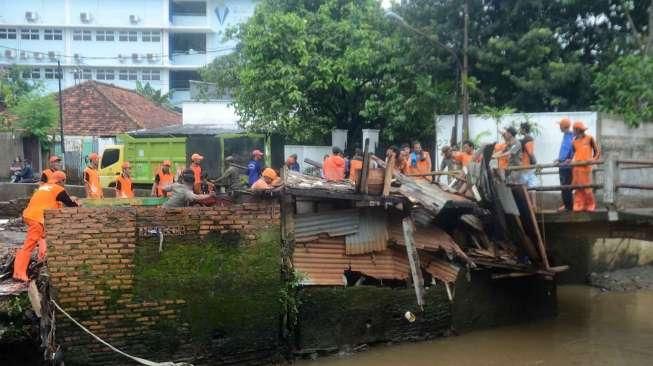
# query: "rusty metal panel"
430,238
332,223
324,262
443,270
372,234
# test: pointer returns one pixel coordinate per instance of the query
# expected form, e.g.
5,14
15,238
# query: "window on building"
184,42
49,73
128,75
33,73
189,8
180,79
151,36
151,75
108,36
32,34
133,36
7,33
124,36
105,74
53,34
80,35
87,35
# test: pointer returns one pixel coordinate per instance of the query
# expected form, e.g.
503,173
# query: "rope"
142,361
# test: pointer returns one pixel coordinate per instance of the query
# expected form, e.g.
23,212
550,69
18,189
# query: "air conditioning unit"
24,55
152,57
134,19
136,57
10,54
31,16
52,55
85,17
38,56
77,57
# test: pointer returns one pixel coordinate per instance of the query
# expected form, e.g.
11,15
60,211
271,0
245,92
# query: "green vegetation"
37,116
146,90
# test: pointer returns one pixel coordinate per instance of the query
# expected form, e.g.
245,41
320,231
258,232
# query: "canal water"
593,328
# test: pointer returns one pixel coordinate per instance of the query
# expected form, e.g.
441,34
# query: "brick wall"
105,266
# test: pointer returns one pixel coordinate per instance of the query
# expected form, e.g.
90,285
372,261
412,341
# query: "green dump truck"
145,150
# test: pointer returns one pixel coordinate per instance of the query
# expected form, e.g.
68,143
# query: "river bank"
593,328
629,279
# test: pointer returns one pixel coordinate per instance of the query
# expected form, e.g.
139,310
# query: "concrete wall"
214,113
210,296
11,146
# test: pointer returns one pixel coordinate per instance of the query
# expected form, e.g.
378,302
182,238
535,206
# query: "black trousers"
565,179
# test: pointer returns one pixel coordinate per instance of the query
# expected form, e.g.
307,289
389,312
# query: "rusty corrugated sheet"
333,223
324,262
372,234
442,270
430,238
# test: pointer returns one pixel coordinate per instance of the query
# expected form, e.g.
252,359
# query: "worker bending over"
181,194
162,179
54,165
269,179
585,150
333,166
92,178
124,185
48,196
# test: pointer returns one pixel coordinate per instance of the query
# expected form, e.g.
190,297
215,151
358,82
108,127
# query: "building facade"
161,42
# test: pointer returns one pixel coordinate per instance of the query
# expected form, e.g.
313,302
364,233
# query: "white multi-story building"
162,42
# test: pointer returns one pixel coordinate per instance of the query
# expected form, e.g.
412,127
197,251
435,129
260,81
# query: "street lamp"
461,75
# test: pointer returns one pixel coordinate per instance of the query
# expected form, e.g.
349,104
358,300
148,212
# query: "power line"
59,56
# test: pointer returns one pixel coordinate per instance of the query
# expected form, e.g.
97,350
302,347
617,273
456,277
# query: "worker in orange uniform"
334,166
419,161
355,165
92,178
163,178
465,156
269,179
195,165
54,165
48,196
124,185
585,149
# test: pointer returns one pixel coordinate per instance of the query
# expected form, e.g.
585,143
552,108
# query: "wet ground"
594,327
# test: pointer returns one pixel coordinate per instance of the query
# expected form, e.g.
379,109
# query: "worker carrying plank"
48,196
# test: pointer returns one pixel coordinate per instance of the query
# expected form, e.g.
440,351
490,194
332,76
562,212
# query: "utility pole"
63,148
465,71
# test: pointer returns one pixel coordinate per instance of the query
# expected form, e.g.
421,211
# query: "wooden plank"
525,240
552,165
387,178
362,185
536,229
570,186
413,258
609,186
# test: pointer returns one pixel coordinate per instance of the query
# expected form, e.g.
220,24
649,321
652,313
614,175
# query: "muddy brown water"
593,328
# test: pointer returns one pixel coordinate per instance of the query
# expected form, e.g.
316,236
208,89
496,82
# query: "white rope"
142,361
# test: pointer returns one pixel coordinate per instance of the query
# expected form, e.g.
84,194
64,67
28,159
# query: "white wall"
547,143
220,113
312,152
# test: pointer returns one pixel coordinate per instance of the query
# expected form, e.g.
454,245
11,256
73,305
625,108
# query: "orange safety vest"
583,151
354,167
95,190
504,161
261,184
44,198
48,174
164,180
126,187
463,158
334,168
422,167
197,171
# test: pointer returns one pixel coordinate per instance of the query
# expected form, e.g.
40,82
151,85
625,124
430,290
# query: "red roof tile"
97,109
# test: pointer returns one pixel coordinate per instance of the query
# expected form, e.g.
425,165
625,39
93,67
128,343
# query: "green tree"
36,115
12,88
146,90
305,67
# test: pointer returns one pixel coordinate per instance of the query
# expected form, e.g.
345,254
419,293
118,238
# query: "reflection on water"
593,328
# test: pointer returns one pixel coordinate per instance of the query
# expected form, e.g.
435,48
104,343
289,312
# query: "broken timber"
413,258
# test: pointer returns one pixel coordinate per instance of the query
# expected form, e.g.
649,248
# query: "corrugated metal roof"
324,261
442,270
333,223
184,130
430,238
372,234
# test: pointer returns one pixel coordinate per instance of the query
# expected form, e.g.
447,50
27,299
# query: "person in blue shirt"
255,167
292,163
564,157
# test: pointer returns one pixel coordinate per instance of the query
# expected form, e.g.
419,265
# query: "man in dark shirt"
565,156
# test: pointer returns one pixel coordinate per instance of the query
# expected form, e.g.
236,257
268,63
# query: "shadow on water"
593,328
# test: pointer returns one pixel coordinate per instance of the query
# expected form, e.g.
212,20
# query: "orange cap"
579,125
565,122
57,177
126,165
54,158
93,157
167,163
196,156
270,173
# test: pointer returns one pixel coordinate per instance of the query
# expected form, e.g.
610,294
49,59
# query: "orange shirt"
334,168
354,167
583,151
503,161
529,149
422,166
44,198
163,180
125,187
463,158
92,178
261,184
